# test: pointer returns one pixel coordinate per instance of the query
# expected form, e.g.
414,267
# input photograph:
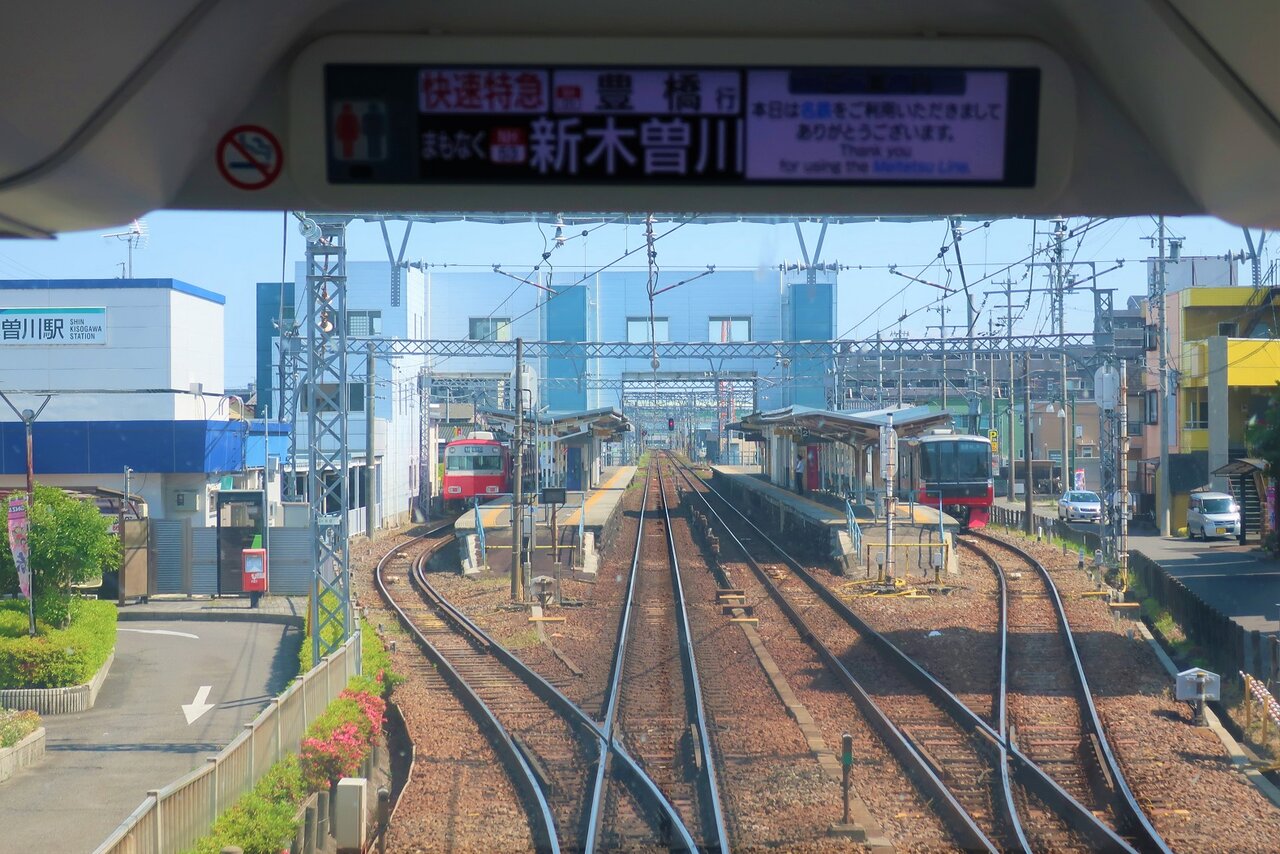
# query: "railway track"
654,701
1052,719
965,765
555,754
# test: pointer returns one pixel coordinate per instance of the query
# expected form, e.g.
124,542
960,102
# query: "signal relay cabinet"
253,567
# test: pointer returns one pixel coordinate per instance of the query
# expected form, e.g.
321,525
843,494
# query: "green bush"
377,676
55,658
15,726
261,822
69,544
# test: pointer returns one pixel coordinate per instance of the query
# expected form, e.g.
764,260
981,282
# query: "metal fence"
173,818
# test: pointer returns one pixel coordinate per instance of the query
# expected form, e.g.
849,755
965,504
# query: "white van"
1212,514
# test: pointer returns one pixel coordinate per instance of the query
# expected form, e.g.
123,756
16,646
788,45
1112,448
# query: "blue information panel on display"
625,125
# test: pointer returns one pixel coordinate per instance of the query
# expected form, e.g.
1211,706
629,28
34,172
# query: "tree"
1262,434
69,544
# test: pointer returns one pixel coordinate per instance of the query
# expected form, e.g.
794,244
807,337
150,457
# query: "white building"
133,371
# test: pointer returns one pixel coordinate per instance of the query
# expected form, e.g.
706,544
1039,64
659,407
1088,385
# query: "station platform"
594,511
825,514
820,530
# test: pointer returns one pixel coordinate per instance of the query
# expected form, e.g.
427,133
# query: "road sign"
994,436
249,157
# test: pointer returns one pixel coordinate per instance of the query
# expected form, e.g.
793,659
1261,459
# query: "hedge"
376,676
261,821
15,726
55,658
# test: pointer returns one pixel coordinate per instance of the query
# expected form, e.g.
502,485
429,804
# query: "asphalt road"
1239,581
100,764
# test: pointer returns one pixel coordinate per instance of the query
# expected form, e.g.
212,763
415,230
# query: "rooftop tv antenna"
135,237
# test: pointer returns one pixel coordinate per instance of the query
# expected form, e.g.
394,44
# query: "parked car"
1212,514
1080,506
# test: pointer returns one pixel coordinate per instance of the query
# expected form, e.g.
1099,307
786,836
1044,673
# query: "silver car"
1080,506
1212,514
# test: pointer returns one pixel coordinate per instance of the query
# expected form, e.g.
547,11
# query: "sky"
230,252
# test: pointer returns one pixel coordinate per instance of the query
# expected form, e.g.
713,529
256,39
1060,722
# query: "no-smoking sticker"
249,157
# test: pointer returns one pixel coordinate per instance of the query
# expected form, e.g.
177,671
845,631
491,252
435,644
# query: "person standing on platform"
800,474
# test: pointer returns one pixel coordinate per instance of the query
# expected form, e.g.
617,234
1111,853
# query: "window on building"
1086,452
364,323
1229,330
355,397
729,329
490,329
1151,406
638,330
1196,401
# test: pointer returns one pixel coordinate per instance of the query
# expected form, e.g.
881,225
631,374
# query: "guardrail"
173,818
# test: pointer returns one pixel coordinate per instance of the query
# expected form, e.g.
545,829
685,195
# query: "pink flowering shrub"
341,738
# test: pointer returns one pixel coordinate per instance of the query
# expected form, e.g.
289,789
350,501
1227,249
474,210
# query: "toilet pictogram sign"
249,157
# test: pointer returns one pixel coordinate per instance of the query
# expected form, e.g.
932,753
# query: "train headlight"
454,490
492,490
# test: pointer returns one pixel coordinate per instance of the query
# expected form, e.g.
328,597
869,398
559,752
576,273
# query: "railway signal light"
671,424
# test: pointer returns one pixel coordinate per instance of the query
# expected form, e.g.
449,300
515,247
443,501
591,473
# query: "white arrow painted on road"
198,706
162,632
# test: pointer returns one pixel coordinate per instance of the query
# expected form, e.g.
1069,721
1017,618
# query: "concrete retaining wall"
24,754
58,701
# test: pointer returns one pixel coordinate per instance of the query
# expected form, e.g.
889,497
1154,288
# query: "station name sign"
628,125
52,327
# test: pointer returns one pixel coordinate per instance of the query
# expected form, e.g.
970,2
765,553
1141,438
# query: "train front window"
951,462
474,462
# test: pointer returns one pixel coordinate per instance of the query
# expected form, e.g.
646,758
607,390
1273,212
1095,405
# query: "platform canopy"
805,423
607,424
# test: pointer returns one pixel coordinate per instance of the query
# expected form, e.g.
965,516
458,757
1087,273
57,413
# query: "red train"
477,466
956,469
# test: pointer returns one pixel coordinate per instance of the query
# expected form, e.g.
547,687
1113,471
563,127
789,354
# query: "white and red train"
956,471
478,466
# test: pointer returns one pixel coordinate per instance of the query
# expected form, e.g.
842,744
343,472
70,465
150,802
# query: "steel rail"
522,777
693,692
646,788
1027,772
958,820
614,688
1134,816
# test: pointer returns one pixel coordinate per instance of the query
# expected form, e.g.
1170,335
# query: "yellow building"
1224,362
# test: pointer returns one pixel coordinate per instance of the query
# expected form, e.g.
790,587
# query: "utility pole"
1011,436
972,320
942,337
370,426
991,376
1164,493
1028,523
889,470
1122,406
517,497
1060,286
879,371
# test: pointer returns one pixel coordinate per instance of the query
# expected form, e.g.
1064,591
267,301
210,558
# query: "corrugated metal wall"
204,561
291,556
176,567
168,542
